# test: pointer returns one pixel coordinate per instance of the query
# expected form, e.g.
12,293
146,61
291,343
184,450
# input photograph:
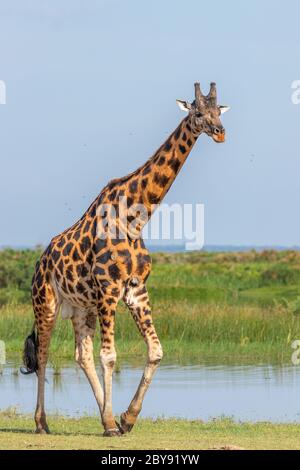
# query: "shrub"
279,274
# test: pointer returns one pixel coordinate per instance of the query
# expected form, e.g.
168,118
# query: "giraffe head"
204,113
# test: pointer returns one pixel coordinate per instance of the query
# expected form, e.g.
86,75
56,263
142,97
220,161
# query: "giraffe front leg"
129,417
137,301
108,360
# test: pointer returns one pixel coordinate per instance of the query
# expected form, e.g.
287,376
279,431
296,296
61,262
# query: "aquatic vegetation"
223,305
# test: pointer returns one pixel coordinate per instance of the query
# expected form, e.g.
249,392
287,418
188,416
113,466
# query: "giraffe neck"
147,186
150,183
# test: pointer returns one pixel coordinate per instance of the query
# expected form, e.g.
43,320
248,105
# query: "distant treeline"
227,270
16,270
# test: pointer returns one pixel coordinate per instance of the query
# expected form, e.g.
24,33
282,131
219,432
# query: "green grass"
189,333
228,307
223,308
200,277
17,432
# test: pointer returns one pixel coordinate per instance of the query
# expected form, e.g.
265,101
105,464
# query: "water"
246,393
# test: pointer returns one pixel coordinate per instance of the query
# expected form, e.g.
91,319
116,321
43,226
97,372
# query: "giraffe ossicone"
88,268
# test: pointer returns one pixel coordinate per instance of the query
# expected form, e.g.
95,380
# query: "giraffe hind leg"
46,306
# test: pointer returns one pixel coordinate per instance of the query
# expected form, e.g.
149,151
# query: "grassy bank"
261,278
227,307
187,332
16,432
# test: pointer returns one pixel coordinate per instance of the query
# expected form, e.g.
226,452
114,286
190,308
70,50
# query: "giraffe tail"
30,353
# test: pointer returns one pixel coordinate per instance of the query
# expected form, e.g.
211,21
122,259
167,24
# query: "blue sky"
91,89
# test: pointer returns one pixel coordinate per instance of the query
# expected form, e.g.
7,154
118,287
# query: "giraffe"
87,269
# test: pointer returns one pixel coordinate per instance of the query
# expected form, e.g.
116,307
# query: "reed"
187,332
219,306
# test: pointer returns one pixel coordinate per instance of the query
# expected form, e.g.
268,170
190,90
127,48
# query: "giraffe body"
86,271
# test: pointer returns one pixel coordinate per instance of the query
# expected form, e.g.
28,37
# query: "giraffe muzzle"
218,134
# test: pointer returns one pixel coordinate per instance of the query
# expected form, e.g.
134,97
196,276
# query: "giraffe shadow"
16,431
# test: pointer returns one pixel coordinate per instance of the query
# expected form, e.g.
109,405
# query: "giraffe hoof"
125,426
119,427
115,432
42,430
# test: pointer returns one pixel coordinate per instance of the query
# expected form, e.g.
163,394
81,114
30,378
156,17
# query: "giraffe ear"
224,109
184,105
